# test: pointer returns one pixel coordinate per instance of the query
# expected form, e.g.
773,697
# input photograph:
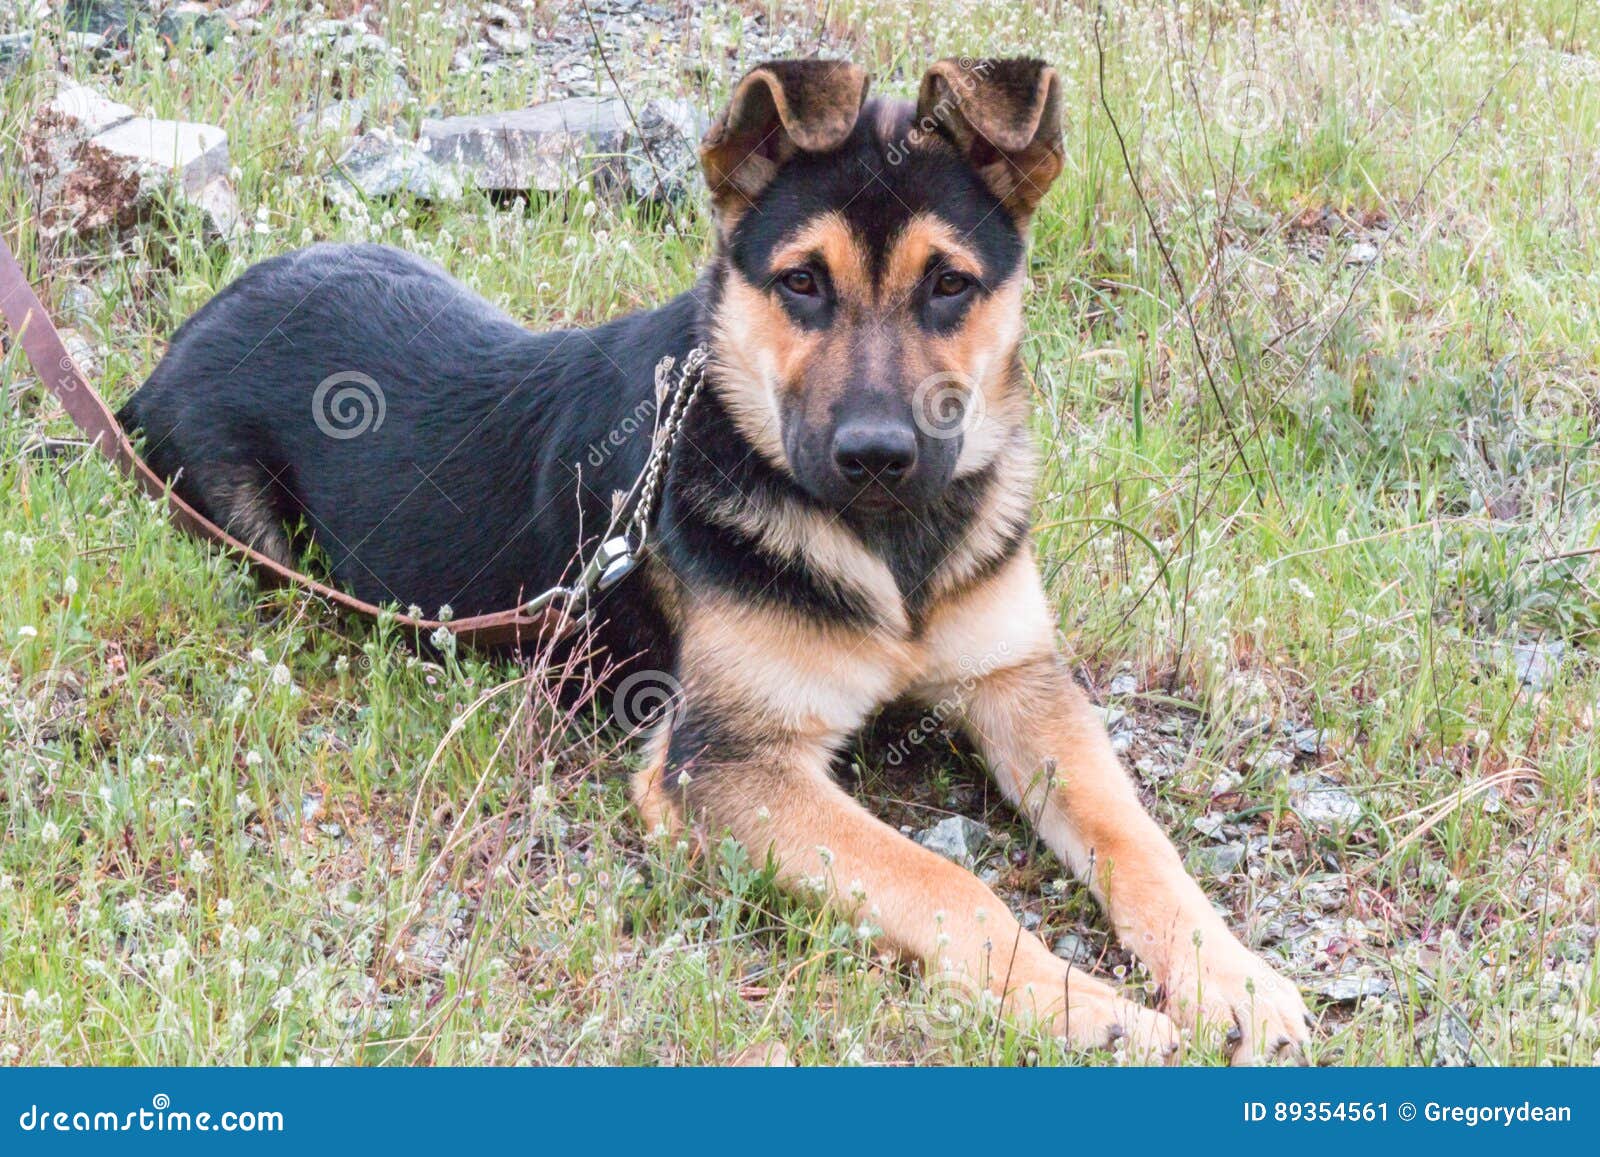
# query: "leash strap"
546,618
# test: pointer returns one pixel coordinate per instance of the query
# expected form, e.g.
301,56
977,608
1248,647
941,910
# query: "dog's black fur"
496,455
498,451
820,546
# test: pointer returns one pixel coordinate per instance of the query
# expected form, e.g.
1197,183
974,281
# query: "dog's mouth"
874,498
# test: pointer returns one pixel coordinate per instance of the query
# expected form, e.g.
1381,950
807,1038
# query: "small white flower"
50,832
258,656
69,587
28,632
283,998
224,908
198,863
280,676
252,759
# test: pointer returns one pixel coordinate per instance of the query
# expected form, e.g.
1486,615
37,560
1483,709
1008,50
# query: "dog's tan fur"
788,690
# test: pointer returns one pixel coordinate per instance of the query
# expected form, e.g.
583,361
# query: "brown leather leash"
543,620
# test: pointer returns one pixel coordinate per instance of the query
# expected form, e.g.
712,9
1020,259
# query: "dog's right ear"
778,109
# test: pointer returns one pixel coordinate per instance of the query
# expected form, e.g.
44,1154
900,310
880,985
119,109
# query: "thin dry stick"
1172,272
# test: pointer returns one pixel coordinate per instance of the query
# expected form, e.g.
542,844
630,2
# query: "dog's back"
351,390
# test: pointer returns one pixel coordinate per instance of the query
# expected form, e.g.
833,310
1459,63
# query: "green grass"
242,829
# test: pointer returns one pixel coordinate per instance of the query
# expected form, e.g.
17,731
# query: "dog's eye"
801,282
951,284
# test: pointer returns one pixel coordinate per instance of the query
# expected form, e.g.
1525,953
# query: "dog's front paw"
1098,1018
1265,1017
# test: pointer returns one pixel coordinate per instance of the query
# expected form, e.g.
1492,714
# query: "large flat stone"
95,165
552,147
546,148
194,153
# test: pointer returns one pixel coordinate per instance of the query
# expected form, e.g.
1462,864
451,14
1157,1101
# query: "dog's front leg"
776,797
1053,759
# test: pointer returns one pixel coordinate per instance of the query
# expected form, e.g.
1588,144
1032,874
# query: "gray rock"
1318,800
340,117
344,40
666,165
549,147
1350,987
82,111
503,30
1075,950
196,154
1110,717
83,352
119,22
379,165
1537,661
552,147
1211,826
1447,1038
1219,860
1329,895
956,838
1361,253
1153,770
95,165
1271,760
15,50
1124,684
1309,740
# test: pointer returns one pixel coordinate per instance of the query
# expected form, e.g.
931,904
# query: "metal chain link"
690,379
618,554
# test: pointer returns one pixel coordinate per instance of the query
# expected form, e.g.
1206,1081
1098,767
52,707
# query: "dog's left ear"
779,109
1004,116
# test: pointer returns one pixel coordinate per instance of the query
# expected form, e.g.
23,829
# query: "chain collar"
618,553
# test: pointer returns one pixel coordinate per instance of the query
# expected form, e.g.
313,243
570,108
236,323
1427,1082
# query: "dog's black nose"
872,452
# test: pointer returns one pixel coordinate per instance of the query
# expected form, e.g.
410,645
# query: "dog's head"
868,287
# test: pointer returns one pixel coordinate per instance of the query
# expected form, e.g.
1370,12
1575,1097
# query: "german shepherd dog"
830,538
